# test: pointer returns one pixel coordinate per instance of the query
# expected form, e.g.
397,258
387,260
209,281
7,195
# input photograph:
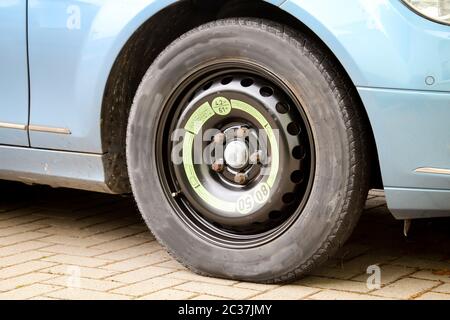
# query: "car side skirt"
54,168
409,203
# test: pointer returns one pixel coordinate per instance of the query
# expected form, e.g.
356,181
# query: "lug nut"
242,132
255,157
218,165
219,138
240,178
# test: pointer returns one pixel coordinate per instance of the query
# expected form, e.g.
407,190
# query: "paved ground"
67,244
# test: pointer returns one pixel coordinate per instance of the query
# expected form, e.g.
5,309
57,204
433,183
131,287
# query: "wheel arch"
159,30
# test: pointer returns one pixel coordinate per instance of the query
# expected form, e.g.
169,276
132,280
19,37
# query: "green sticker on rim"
271,136
191,175
199,117
223,106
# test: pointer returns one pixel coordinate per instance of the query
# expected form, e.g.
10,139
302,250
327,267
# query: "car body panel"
72,61
55,168
399,62
380,43
77,67
412,131
13,73
416,203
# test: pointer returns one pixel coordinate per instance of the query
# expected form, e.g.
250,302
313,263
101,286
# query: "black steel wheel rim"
255,101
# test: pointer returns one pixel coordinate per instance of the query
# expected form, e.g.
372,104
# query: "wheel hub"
236,154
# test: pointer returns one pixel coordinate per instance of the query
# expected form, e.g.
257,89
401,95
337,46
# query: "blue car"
249,132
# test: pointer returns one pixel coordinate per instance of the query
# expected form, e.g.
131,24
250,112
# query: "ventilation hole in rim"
266,91
207,86
289,198
298,152
282,107
247,82
297,176
226,80
293,129
275,215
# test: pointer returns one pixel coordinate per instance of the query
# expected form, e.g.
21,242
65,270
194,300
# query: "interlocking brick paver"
443,275
172,264
444,288
337,284
139,262
389,273
208,297
406,288
114,234
84,283
43,298
76,260
140,274
168,294
256,286
217,290
22,257
189,276
434,296
287,292
28,292
349,268
15,230
72,241
17,221
421,263
69,244
131,252
147,286
92,273
23,280
340,295
119,243
21,247
26,267
72,250
82,294
65,230
6,214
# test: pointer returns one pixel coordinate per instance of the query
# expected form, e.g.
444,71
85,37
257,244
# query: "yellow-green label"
221,106
250,110
275,161
199,117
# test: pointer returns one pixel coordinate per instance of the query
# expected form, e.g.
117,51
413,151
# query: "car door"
13,73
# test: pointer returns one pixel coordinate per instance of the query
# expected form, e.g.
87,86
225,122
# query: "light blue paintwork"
387,50
69,67
55,168
412,130
381,43
13,71
87,55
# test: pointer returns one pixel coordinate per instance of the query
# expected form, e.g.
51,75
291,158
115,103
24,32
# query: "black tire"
340,180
